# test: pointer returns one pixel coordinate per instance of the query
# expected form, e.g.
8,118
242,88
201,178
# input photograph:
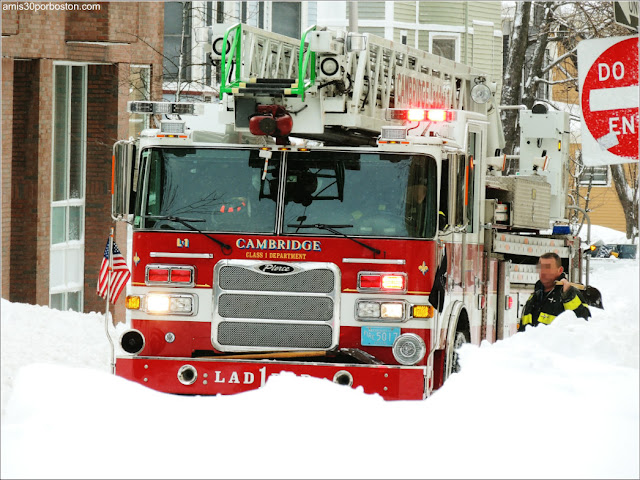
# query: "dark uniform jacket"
544,307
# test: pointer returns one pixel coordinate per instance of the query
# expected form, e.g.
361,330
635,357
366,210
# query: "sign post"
608,80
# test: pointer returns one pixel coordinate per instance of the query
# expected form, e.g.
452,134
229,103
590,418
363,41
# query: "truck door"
468,199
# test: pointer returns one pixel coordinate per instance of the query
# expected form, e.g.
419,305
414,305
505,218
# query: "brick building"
67,74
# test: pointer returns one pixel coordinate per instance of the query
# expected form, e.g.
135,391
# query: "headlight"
368,310
158,303
181,304
172,304
380,311
409,349
392,310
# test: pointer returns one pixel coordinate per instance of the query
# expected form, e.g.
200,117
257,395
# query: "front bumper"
226,377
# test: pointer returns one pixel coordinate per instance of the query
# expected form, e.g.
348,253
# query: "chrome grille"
312,281
256,310
274,335
276,307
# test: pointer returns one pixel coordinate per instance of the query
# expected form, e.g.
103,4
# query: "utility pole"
353,15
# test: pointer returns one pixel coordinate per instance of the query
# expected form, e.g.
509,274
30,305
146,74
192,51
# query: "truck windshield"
222,189
368,194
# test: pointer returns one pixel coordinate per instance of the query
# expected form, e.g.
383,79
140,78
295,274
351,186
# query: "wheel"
459,339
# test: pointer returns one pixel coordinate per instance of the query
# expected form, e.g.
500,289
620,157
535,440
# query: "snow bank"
554,402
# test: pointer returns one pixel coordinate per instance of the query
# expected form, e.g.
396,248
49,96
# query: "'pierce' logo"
276,268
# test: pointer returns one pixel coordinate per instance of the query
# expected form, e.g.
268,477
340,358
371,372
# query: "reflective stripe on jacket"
544,307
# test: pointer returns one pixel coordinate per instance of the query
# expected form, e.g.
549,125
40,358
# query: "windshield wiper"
332,229
184,221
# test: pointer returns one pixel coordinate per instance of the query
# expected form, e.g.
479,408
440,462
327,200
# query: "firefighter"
549,300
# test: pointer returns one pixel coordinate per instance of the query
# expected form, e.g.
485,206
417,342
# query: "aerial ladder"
336,86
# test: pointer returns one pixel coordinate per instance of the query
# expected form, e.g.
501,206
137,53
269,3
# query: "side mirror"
121,179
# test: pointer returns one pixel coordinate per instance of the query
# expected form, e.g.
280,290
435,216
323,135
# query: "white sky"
554,402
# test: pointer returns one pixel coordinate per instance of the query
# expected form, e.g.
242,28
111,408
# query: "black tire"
458,341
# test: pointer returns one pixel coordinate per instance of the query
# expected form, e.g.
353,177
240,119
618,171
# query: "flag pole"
106,315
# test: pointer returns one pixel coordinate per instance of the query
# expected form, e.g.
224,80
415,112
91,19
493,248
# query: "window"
286,18
139,89
595,176
208,78
260,14
215,189
543,87
470,180
446,45
465,175
173,24
460,192
252,13
66,274
329,188
445,200
227,190
505,53
219,12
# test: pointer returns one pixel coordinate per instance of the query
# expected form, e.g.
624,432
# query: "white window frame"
584,178
446,36
144,119
69,248
404,37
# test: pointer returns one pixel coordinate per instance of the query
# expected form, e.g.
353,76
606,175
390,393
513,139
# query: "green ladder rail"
232,60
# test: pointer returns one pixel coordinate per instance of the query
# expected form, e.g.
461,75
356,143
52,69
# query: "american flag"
119,276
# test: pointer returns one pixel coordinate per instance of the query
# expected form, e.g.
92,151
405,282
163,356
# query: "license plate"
379,336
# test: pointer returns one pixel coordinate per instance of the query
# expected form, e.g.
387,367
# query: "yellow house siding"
605,207
564,92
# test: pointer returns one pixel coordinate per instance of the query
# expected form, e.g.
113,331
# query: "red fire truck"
344,213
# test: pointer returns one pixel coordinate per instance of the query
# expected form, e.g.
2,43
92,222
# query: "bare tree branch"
555,82
559,60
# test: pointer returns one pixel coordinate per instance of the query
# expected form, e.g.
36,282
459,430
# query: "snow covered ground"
554,402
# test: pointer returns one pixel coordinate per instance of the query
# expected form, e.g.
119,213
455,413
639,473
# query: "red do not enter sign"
610,99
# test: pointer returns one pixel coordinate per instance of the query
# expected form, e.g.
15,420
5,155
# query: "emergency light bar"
169,108
420,114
